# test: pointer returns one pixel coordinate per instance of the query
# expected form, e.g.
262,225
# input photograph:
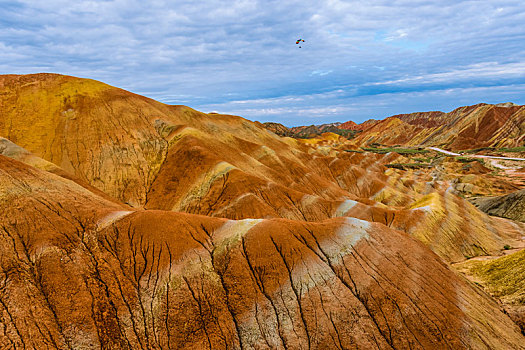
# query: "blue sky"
360,60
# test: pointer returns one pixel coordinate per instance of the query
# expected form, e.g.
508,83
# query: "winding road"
472,155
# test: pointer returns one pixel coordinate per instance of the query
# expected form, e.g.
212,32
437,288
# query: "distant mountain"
481,125
278,129
350,125
311,131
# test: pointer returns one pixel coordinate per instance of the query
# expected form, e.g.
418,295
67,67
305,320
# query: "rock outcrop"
511,206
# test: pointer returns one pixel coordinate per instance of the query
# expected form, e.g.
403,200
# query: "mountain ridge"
475,126
128,223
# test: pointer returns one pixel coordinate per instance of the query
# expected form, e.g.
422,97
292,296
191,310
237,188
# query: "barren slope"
174,158
158,279
464,128
511,206
240,238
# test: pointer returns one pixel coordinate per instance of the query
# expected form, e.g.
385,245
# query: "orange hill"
150,155
94,275
468,127
350,125
128,223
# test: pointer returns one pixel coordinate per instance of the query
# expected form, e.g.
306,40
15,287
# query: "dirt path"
473,155
510,172
443,151
495,164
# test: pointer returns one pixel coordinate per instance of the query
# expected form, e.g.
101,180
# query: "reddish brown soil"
468,127
350,125
238,238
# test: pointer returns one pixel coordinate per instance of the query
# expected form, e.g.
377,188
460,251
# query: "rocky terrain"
481,125
130,224
308,132
350,125
470,127
511,206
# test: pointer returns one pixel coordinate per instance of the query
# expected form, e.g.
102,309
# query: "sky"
360,59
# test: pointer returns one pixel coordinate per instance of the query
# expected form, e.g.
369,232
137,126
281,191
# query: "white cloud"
321,72
243,52
398,34
478,71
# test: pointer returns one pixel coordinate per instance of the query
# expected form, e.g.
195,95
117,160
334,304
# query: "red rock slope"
464,128
93,276
239,239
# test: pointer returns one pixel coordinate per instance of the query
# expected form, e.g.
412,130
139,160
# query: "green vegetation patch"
505,276
503,149
404,166
476,150
512,149
464,159
402,151
375,145
469,160
314,131
423,160
354,151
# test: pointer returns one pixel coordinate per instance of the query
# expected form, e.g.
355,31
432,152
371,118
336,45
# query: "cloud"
329,107
321,72
398,34
241,55
484,70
